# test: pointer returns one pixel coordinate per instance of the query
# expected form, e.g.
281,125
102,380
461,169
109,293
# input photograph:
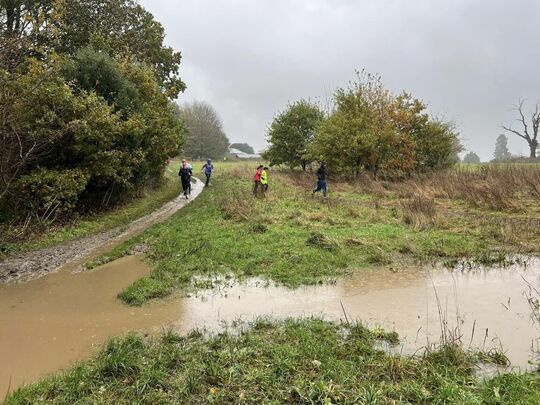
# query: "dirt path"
31,265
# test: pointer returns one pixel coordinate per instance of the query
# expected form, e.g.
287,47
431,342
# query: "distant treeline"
85,97
367,129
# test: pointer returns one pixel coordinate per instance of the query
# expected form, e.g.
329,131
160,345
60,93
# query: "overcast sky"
470,60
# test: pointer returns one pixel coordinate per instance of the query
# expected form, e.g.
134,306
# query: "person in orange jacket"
257,179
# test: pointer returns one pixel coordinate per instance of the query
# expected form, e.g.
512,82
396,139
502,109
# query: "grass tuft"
419,211
320,240
289,361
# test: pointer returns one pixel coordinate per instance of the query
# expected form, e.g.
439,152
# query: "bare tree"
530,137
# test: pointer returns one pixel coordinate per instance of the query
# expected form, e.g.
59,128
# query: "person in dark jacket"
185,177
321,180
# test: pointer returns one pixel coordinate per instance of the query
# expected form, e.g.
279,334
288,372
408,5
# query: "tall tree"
529,134
205,135
471,157
291,132
501,152
26,30
122,28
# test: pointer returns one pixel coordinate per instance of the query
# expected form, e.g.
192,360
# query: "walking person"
321,180
257,180
208,169
264,180
185,173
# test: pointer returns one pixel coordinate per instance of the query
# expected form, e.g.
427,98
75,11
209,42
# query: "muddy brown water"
49,323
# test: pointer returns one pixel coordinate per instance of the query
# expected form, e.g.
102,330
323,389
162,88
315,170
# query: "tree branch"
515,132
519,108
536,121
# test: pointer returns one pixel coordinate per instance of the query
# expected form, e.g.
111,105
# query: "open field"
294,361
293,238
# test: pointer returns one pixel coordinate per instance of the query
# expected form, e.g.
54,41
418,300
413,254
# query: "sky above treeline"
469,60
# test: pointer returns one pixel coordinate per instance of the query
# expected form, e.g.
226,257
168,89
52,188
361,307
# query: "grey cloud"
469,60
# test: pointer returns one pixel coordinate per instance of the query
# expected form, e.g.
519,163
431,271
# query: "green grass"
92,224
293,361
292,238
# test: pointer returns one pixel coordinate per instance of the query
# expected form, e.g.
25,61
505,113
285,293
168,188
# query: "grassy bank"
46,235
293,238
294,361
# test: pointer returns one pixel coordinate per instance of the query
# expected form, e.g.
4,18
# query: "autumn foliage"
374,130
368,129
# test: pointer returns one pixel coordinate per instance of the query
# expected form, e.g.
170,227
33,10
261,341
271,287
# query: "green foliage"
291,132
49,193
146,201
39,110
374,130
86,86
96,71
123,29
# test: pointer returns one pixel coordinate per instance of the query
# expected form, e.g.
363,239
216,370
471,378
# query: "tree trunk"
533,145
10,18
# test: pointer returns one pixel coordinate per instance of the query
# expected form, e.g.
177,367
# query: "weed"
258,226
494,356
235,206
419,211
322,241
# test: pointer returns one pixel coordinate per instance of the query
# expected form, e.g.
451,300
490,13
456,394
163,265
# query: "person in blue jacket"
208,169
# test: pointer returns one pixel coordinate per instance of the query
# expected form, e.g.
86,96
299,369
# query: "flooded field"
49,323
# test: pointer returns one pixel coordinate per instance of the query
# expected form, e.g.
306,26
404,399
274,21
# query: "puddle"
49,323
484,308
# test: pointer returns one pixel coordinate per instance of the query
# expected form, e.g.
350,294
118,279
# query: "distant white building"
238,154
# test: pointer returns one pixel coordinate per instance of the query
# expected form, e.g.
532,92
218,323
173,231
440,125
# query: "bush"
372,129
49,193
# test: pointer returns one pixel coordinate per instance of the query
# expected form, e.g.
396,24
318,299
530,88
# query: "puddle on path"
47,324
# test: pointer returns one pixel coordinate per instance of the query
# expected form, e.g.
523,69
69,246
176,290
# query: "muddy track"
34,264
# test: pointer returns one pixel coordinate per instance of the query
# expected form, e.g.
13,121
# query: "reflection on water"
48,323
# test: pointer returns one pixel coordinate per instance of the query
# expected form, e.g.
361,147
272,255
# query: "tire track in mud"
35,264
